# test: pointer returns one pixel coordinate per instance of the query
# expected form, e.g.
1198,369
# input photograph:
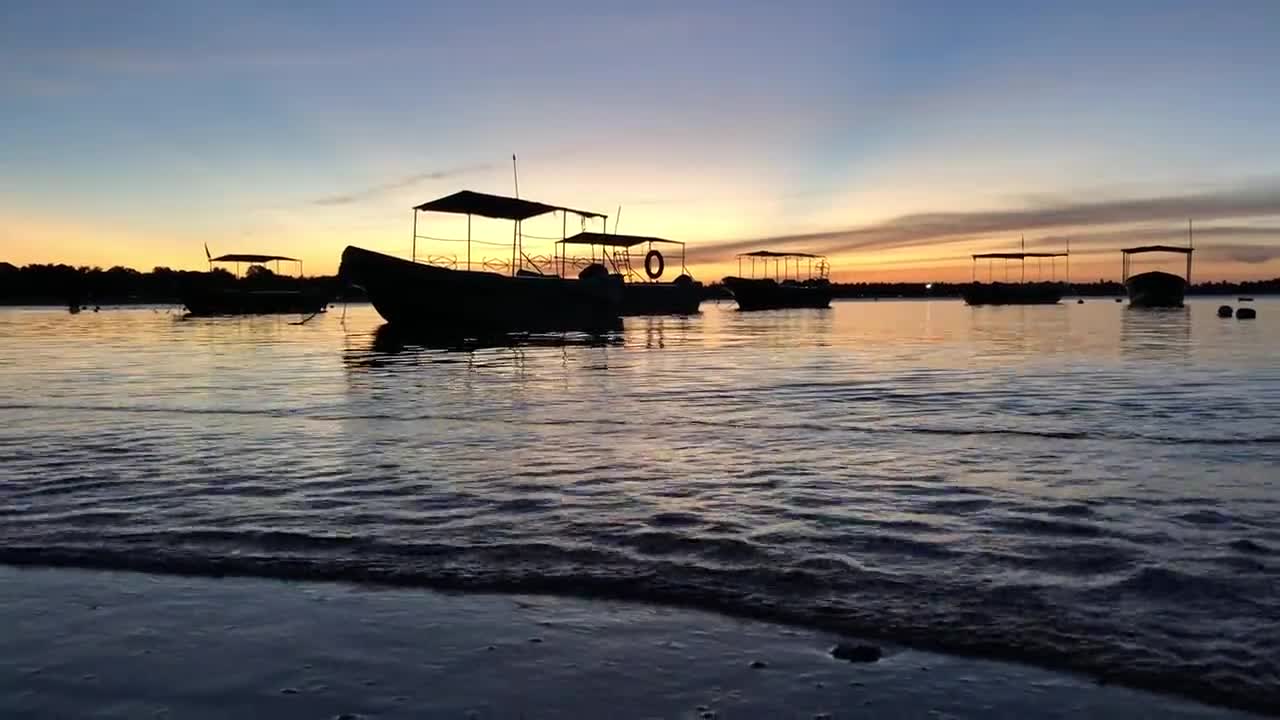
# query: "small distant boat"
1157,288
781,290
430,299
1017,293
273,294
643,293
1245,299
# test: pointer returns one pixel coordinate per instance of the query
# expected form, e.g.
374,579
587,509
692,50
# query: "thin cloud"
358,195
946,228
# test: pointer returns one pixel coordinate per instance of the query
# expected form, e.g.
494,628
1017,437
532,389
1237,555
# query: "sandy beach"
128,645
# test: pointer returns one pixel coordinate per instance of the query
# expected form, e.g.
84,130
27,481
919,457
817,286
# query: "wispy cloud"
948,228
365,193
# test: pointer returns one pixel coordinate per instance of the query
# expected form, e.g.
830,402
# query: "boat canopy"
615,240
1022,256
468,202
1017,255
251,258
772,254
1158,248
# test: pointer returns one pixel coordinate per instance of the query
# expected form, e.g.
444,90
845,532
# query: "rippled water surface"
1084,486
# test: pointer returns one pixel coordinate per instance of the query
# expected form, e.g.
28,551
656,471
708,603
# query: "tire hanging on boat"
648,264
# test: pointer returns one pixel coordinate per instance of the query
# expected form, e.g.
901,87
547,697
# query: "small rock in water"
856,652
535,639
289,691
1225,311
759,664
1246,314
347,716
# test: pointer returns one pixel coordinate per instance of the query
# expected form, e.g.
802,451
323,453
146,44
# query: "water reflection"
388,339
1155,333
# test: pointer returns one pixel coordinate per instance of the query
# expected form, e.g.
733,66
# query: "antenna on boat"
1191,242
515,173
617,219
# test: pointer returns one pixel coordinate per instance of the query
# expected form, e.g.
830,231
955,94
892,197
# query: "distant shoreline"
63,284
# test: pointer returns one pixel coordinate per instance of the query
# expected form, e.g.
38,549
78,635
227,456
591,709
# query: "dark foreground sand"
101,644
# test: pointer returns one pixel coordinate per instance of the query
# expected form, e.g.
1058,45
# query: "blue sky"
135,132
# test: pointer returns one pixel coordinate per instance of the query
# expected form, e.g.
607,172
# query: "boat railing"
443,261
800,267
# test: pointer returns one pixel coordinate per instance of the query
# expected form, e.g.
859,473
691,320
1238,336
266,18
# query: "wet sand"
127,645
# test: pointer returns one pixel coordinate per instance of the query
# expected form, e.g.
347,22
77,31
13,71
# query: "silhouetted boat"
1157,288
1019,293
642,293
253,296
781,291
1035,293
431,299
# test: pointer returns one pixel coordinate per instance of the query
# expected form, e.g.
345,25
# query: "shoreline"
130,644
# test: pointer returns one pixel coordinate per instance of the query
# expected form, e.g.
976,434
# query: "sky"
895,137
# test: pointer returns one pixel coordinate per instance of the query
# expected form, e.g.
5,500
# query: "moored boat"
1156,288
643,292
421,297
780,289
256,294
1037,292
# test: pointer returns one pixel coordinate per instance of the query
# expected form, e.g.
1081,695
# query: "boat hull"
768,294
1156,289
678,298
203,302
1013,293
428,299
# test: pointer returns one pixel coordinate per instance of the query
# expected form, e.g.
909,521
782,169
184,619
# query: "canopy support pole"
414,251
468,241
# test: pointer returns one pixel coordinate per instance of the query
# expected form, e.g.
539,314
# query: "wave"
320,415
827,593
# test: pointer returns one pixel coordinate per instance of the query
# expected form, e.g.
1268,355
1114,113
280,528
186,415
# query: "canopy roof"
770,253
245,257
1158,248
1017,255
468,202
607,240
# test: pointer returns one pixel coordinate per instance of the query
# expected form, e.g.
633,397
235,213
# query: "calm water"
1082,486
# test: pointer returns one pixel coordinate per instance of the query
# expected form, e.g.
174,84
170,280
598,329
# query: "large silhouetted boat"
1038,292
1156,288
643,292
783,288
255,294
432,298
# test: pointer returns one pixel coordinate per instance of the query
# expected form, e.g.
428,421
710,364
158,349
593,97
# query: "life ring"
648,264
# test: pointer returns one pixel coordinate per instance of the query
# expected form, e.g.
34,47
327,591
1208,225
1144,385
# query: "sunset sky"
897,137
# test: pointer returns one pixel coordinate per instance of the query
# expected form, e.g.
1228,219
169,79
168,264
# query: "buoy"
1246,314
1080,302
1119,299
1225,311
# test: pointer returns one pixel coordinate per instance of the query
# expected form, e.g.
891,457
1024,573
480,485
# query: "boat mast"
515,230
1190,246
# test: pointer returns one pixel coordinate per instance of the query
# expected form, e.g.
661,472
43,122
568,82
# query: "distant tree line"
62,284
